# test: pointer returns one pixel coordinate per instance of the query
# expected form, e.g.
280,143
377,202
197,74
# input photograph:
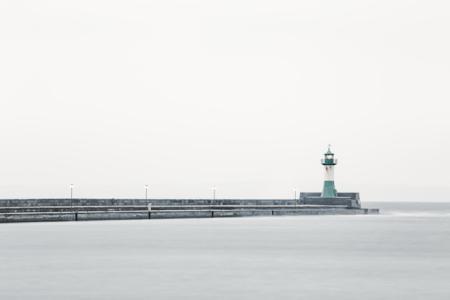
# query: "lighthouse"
329,190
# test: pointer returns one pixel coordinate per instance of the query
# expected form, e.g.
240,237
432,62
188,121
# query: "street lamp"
146,191
71,195
295,194
214,193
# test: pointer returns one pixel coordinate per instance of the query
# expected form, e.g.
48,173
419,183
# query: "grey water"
404,253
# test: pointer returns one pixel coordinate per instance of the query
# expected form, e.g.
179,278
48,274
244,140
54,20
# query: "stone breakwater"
46,210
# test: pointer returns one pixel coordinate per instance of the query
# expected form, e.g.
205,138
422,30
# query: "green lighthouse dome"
329,159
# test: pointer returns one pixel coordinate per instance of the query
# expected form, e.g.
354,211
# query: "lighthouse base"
329,191
350,200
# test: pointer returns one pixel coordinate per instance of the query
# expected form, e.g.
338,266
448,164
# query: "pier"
47,210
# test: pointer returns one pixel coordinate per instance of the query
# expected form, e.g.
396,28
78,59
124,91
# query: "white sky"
241,95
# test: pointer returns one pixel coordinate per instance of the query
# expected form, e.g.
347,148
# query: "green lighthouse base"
329,191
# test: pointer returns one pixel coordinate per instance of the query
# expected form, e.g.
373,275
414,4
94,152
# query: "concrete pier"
47,210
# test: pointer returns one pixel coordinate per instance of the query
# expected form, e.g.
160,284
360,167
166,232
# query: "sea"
403,253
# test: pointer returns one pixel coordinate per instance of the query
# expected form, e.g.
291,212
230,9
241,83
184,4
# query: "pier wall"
114,202
348,199
48,210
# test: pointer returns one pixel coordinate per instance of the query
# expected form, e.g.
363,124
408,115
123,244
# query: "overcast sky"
242,95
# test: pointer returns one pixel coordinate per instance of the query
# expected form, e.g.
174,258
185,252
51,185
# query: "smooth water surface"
402,254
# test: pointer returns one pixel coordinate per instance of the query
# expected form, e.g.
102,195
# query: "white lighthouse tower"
329,190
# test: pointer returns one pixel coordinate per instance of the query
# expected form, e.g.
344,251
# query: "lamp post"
146,191
71,195
214,193
295,194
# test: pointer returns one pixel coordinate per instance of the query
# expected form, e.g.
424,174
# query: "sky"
243,96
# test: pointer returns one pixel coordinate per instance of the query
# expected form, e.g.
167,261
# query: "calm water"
402,254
